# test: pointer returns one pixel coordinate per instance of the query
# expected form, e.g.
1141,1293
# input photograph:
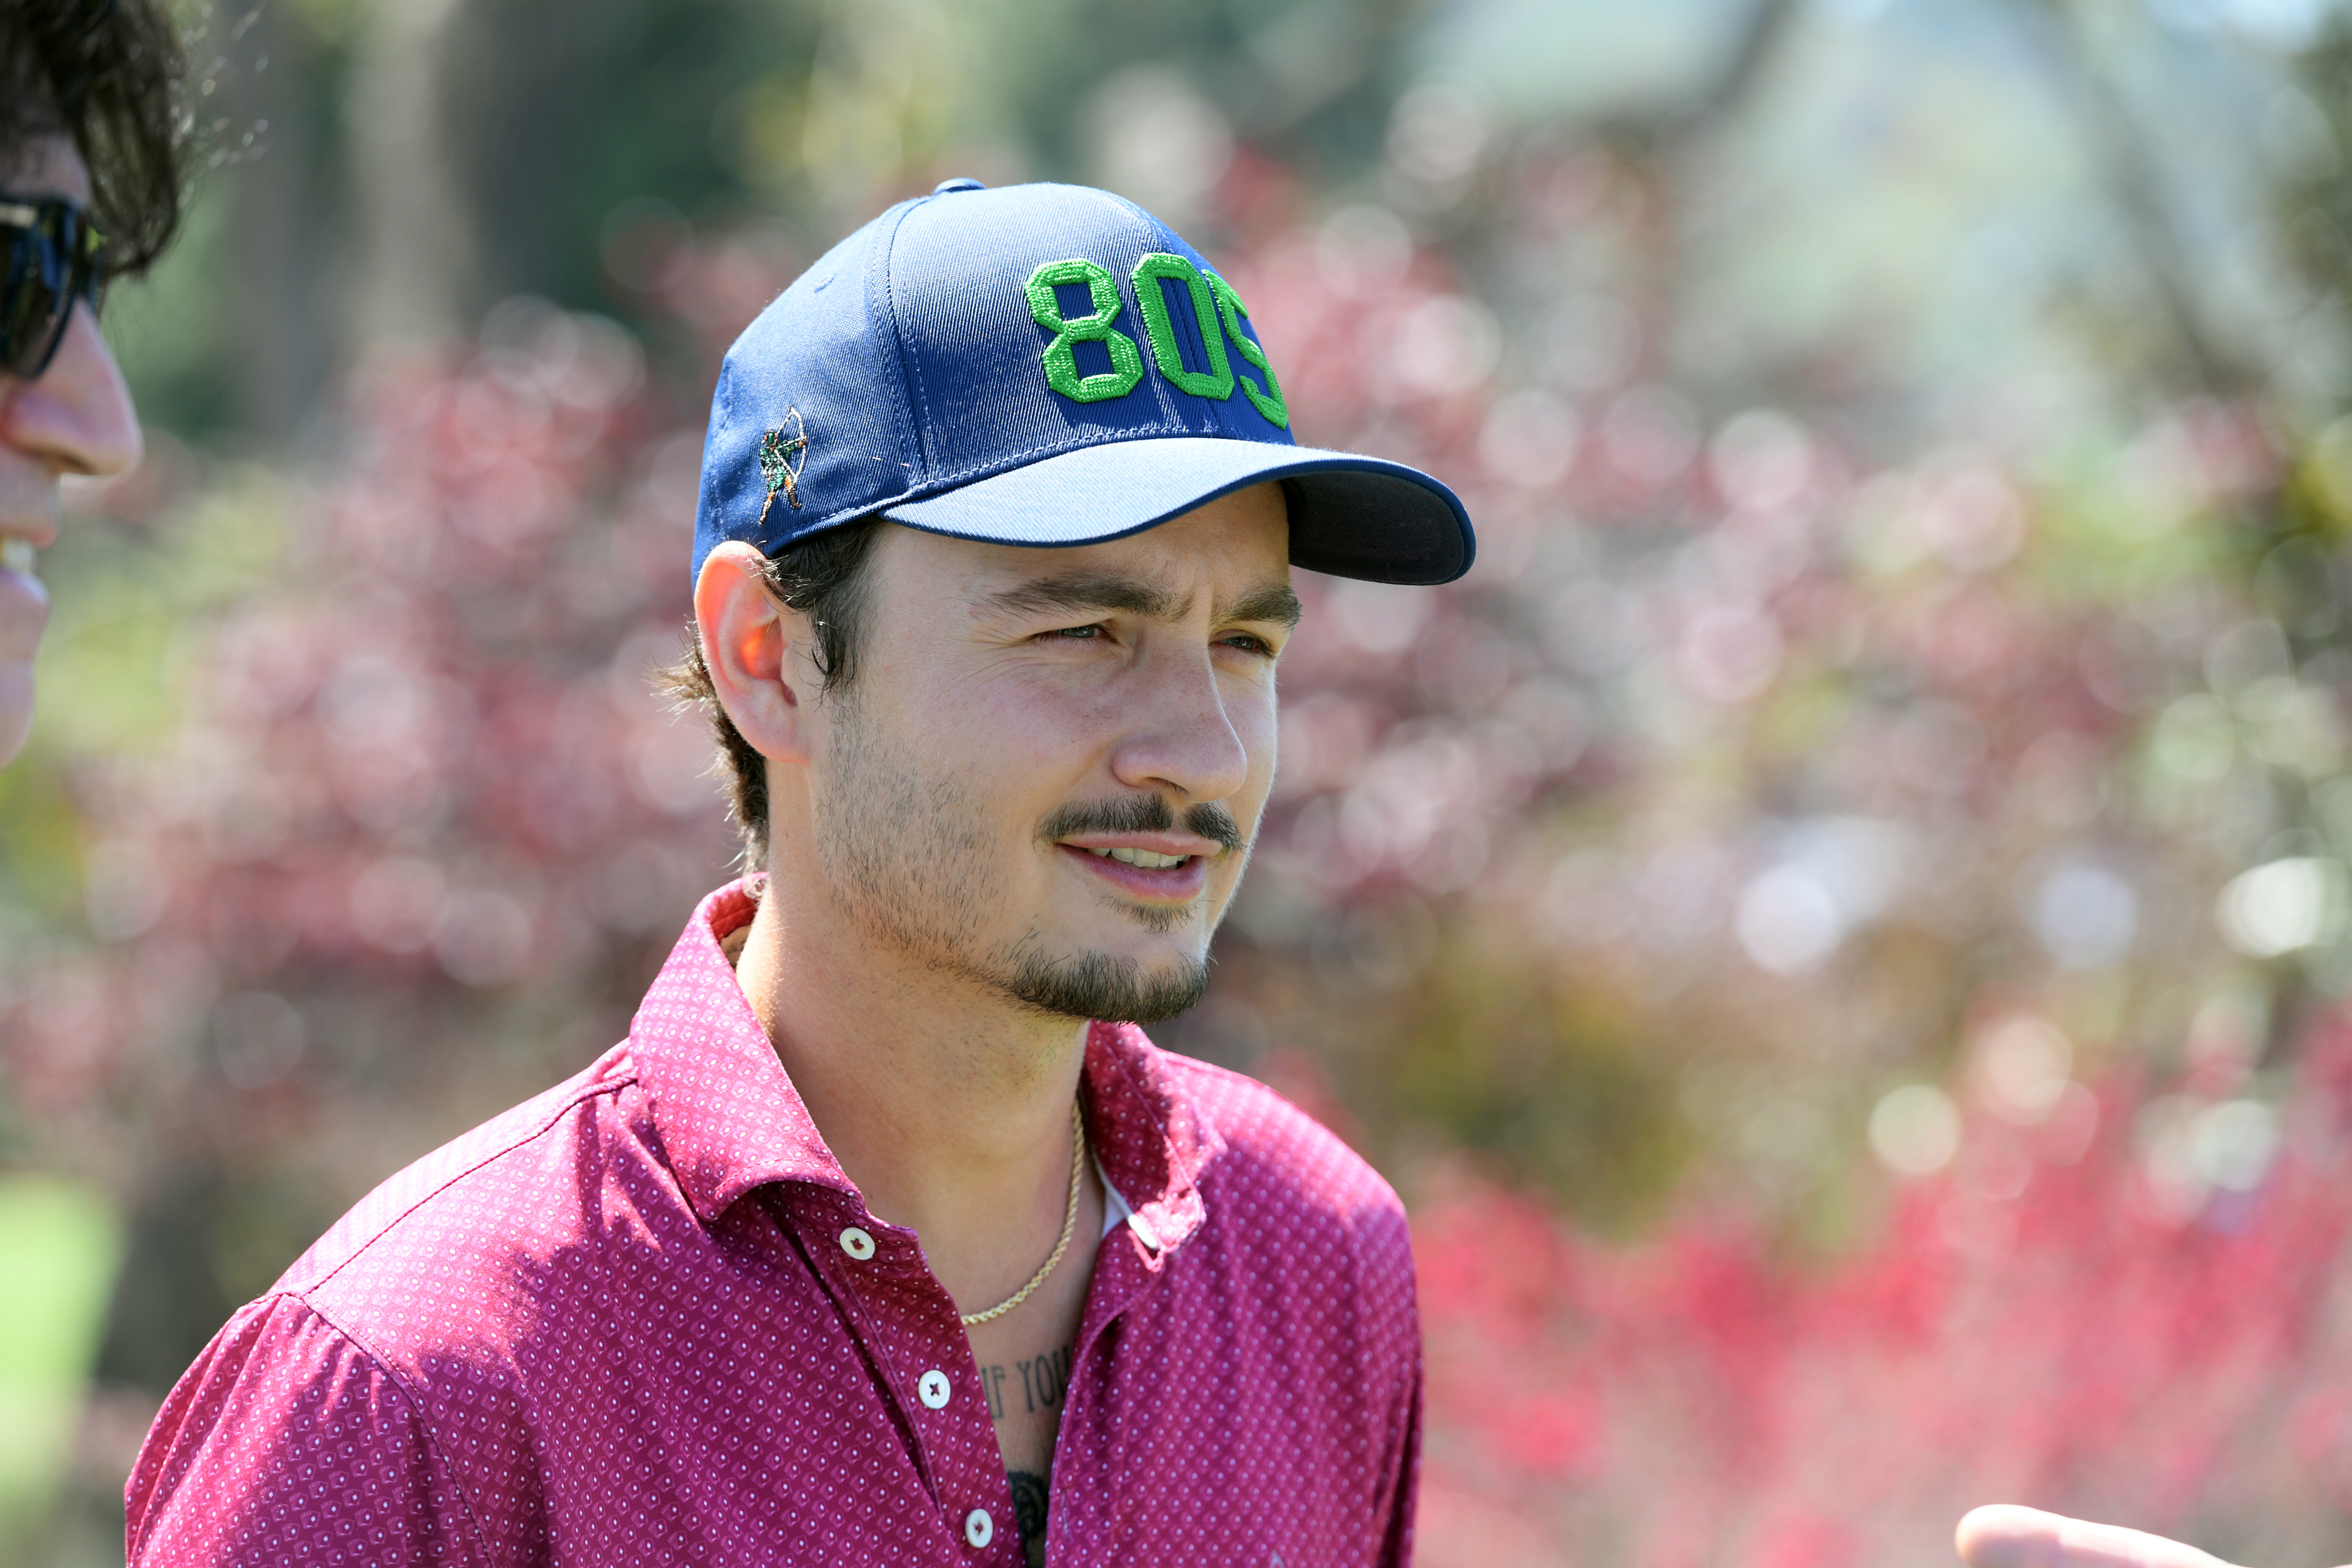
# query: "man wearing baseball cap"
887,1236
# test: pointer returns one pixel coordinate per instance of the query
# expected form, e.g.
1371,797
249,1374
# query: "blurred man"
89,189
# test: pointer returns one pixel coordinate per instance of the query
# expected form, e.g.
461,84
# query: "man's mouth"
1146,858
1143,849
1147,876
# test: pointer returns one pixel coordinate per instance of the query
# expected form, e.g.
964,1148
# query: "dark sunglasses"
55,256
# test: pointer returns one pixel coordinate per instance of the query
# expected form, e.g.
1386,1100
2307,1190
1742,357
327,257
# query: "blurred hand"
2006,1536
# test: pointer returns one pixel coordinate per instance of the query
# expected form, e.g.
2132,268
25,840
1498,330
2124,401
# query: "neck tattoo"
1070,1226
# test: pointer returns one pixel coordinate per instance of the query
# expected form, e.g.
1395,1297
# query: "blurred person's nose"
77,418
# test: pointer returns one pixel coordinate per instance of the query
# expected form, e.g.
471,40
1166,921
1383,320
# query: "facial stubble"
906,848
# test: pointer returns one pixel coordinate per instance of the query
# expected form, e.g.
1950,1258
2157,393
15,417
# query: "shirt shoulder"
457,1273
498,1172
397,1359
284,1443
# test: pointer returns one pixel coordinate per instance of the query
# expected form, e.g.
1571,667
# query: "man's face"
76,419
1047,767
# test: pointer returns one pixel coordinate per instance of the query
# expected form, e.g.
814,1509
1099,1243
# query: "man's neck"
947,1103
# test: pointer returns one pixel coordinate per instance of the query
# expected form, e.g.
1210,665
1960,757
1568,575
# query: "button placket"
887,1290
869,1277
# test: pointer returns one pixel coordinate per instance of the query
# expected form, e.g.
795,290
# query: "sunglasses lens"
35,297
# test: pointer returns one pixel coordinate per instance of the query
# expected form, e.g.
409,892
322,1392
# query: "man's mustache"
1144,814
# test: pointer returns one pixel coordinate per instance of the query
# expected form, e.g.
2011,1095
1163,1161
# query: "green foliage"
1557,1079
59,1247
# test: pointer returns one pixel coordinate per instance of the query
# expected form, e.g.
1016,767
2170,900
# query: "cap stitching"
908,425
1006,461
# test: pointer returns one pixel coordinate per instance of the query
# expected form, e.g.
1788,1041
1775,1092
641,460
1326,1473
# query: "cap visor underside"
1354,516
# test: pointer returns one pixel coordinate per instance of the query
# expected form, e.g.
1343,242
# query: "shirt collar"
730,1120
1150,1134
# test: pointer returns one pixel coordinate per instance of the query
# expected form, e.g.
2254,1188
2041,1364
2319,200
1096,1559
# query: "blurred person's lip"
24,612
28,515
33,526
28,525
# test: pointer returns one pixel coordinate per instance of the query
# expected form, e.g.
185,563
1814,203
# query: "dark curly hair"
108,74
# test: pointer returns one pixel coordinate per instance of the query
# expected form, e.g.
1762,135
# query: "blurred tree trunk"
1655,147
288,252
2139,189
415,245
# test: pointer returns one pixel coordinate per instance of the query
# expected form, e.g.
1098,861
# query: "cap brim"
1352,516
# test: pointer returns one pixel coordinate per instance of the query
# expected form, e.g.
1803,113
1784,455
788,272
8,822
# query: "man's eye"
1087,632
1249,642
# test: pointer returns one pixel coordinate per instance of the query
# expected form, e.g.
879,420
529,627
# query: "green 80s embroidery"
1061,356
1269,402
1214,303
1151,303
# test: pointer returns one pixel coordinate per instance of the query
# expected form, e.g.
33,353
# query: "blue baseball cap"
1038,364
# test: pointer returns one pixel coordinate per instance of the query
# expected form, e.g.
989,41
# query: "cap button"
960,183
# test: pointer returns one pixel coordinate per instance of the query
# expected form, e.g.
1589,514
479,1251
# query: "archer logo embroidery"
782,458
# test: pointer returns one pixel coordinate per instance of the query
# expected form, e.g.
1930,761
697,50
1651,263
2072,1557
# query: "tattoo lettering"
1043,1380
1029,1514
991,1382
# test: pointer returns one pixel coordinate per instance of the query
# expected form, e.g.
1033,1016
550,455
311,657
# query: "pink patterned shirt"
646,1319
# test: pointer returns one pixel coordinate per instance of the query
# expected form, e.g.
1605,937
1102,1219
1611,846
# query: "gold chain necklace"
1069,1226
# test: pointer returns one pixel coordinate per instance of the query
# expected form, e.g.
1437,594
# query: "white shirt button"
857,1244
978,1527
933,1387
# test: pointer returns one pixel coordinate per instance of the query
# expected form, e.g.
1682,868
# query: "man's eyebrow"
1272,602
1269,601
1089,593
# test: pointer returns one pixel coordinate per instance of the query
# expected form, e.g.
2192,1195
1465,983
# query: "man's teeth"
1144,857
17,555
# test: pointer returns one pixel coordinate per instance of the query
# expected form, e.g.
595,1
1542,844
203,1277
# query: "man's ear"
757,651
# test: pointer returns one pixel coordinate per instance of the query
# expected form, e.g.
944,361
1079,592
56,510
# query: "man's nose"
78,417
1182,735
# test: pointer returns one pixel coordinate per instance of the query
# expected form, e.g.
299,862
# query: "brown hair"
824,577
108,74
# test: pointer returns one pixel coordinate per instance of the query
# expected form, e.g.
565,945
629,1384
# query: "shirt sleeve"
288,1444
1401,1488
